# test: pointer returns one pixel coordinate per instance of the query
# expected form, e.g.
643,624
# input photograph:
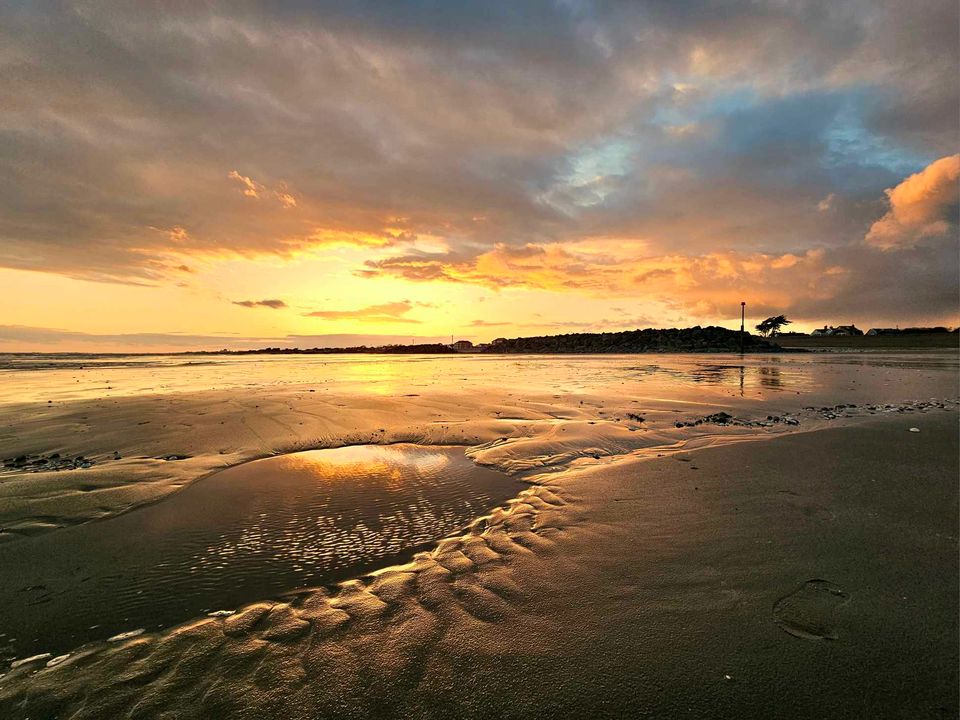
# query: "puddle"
247,533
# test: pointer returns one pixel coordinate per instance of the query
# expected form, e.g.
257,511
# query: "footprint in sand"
810,611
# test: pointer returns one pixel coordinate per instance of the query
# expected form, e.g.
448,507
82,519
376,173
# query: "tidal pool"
249,532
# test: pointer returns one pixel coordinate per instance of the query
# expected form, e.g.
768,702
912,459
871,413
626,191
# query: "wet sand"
693,585
797,559
151,427
251,532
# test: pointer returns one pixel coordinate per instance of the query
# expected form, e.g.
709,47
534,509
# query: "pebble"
914,429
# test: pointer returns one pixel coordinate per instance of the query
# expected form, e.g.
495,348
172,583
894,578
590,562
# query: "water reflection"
393,375
768,374
240,535
770,377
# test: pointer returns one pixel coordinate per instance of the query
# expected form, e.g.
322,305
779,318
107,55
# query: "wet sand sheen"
643,589
619,582
246,533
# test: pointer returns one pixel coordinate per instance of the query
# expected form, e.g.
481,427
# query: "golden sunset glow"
204,179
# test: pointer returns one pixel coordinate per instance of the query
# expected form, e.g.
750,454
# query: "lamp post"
743,313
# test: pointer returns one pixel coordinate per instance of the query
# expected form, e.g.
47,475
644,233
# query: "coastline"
638,584
139,449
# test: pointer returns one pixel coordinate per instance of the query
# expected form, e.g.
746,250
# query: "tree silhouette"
772,325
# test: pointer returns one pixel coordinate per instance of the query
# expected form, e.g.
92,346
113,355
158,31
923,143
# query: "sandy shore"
811,575
136,434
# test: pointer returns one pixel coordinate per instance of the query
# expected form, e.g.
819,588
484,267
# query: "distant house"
498,341
883,331
847,330
462,346
839,331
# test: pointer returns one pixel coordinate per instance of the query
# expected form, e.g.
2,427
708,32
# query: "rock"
721,418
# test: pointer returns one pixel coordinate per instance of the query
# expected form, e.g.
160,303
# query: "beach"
508,361
696,536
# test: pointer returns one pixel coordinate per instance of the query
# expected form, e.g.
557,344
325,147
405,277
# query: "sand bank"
813,575
146,430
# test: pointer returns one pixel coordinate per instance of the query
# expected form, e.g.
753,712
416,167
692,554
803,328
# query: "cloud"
39,338
486,323
250,188
274,304
844,280
589,268
23,338
285,199
393,312
332,101
924,205
489,145
253,189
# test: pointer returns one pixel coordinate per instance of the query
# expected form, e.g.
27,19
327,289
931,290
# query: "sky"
183,175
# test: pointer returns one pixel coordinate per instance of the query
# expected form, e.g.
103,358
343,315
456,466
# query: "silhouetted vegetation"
911,331
423,349
772,325
695,339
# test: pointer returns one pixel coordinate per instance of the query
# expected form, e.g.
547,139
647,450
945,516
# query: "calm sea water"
32,378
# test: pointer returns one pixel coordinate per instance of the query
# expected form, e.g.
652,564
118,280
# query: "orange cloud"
699,285
251,188
923,205
286,199
392,312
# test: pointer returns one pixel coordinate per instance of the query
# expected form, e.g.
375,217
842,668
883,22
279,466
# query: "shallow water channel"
246,533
